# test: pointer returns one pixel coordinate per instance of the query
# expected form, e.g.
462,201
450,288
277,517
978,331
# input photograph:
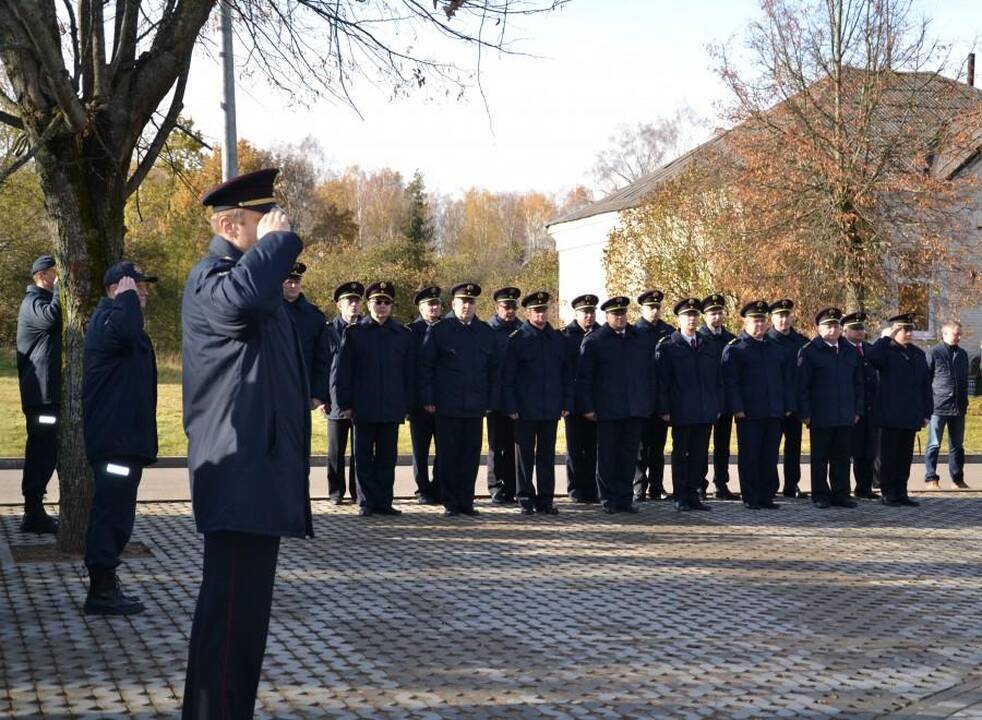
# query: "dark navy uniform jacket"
374,373
312,326
502,330
718,341
790,345
246,400
333,335
616,376
538,374
119,384
658,329
39,348
904,399
871,379
830,384
949,379
573,334
459,368
690,381
417,331
756,378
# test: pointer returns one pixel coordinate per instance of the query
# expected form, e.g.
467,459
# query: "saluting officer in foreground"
713,332
247,418
690,398
458,383
39,379
864,437
790,341
537,390
312,326
373,380
501,428
615,387
119,420
347,299
422,425
903,405
830,402
581,434
649,477
758,393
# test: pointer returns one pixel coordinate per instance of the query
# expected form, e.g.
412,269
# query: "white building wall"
581,245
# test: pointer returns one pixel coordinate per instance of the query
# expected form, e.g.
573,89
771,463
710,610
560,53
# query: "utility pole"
230,152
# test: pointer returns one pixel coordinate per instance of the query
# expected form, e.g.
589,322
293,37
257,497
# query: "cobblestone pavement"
796,613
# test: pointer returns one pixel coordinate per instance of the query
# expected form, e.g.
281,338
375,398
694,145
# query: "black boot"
106,597
37,520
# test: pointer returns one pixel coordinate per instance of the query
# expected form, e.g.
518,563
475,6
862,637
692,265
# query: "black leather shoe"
700,505
960,484
640,498
751,506
389,511
364,511
611,510
110,600
770,505
822,503
528,511
702,494
450,513
425,500
682,506
844,503
36,520
796,493
868,495
725,494
907,502
661,497
890,502
632,509
470,512
550,510
501,499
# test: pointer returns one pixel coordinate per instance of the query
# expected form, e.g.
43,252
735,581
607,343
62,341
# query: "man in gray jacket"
948,364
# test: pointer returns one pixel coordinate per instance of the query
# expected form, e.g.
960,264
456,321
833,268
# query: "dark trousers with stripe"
337,443
896,455
690,453
40,452
649,476
617,454
112,513
231,621
458,458
830,462
722,432
501,455
791,430
757,443
536,442
864,441
375,449
581,458
422,431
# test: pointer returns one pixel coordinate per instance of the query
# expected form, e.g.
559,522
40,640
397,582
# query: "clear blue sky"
601,63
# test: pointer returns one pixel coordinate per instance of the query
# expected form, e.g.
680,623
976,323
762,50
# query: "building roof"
938,93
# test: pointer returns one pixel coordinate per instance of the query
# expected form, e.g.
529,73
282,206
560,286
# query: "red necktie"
860,349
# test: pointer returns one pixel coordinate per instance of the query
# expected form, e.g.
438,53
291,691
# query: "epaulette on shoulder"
515,332
220,266
662,339
732,341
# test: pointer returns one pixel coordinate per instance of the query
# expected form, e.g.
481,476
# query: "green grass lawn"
173,442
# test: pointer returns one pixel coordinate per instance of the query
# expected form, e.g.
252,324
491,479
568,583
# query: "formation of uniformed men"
258,357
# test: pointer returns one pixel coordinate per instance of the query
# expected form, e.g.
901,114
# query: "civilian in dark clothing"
948,364
581,434
39,376
119,406
903,405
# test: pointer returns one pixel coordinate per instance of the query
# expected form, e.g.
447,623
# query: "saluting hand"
125,285
564,414
317,404
275,220
591,416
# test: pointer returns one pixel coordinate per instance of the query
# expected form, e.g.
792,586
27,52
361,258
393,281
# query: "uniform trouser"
501,455
863,450
830,462
722,431
231,620
536,443
337,443
112,513
617,454
649,475
956,446
758,442
40,452
690,453
458,459
895,456
791,430
375,448
581,458
422,431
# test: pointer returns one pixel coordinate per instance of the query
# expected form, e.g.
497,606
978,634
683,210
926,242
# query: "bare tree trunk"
85,199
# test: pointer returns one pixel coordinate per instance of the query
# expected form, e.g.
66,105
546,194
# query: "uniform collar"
33,289
223,248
